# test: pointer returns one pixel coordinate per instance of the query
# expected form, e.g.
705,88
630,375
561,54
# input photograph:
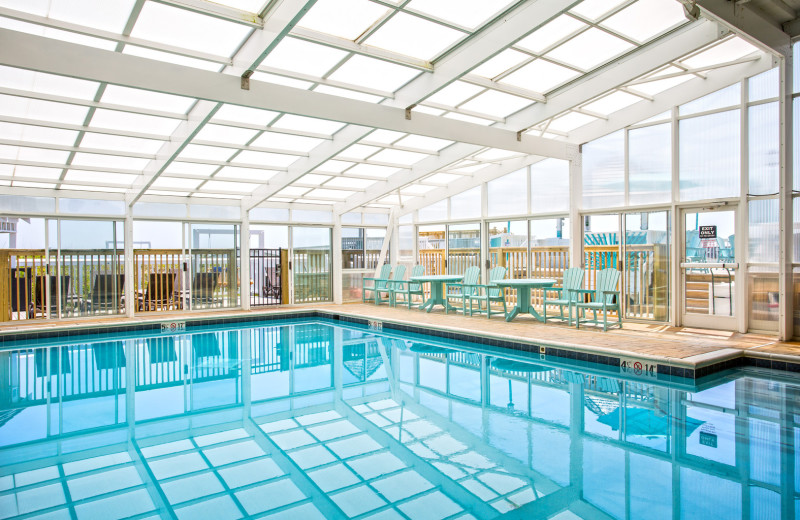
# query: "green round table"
523,287
437,282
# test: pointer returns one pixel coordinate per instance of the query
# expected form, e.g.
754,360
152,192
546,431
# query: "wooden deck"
684,345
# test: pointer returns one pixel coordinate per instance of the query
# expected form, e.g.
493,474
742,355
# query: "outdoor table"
523,287
437,282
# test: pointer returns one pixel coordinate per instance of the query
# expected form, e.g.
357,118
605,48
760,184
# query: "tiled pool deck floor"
658,342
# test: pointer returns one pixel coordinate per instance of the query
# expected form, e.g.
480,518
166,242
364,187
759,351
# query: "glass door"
311,264
601,245
508,247
646,265
709,268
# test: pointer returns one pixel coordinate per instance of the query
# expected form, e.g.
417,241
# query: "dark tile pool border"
664,371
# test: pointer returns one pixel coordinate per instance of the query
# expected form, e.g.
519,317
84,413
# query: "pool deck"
686,346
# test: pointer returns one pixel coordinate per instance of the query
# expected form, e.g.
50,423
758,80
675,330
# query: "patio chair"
378,282
107,293
567,297
604,298
398,273
460,290
40,294
272,283
407,288
489,293
159,294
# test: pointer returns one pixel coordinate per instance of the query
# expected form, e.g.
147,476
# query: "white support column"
485,228
244,261
336,265
394,251
676,294
575,194
130,290
741,303
785,204
385,246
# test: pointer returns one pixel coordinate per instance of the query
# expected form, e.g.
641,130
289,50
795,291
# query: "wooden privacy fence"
312,276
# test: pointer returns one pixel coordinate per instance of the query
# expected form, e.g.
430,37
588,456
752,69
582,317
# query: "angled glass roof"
429,56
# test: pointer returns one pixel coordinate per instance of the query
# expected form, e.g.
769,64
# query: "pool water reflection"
314,420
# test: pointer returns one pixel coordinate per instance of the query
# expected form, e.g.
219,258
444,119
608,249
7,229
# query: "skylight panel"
501,63
304,57
120,143
375,74
247,115
372,170
466,13
468,169
126,121
248,174
358,151
280,199
392,200
349,182
570,121
455,93
43,185
24,153
292,191
56,34
468,119
252,6
443,178
37,134
176,193
651,88
225,134
645,19
495,154
37,172
281,80
617,100
308,124
422,109
494,103
322,193
417,189
168,57
189,30
14,106
540,76
292,143
334,166
116,162
201,195
589,49
185,168
400,157
176,182
313,178
239,187
384,136
594,9
413,36
208,153
104,177
730,50
27,80
98,14
551,33
347,93
429,144
134,97
346,19
274,160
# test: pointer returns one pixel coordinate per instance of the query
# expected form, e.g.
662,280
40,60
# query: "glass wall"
361,250
463,247
311,264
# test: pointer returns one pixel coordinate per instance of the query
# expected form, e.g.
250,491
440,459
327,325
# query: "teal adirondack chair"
460,290
407,288
604,298
489,293
567,295
378,282
398,273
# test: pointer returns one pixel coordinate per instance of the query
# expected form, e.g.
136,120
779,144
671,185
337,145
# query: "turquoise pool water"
317,419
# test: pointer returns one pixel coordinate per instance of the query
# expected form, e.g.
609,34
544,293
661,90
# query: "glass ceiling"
59,132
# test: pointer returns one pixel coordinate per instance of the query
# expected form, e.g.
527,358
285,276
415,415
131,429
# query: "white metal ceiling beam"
399,180
484,175
648,58
223,12
43,54
683,93
767,34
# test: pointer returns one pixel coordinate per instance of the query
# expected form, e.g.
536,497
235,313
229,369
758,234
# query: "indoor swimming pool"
321,419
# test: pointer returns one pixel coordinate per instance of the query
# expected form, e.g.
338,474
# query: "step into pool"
314,418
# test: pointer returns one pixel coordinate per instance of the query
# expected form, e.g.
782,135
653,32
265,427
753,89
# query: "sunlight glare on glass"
428,41
343,18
